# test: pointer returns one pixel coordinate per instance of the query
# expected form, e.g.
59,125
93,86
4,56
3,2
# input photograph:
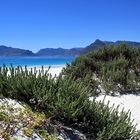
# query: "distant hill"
100,44
9,51
79,51
59,52
96,45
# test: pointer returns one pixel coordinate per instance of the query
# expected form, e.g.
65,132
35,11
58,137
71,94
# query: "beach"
54,71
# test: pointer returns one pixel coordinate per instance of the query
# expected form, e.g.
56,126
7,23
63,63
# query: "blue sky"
35,24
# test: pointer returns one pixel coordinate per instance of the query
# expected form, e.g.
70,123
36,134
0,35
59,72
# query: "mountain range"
9,51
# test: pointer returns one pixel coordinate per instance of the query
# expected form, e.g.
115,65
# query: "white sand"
129,102
53,70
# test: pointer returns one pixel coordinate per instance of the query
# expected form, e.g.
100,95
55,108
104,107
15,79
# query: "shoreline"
54,70
37,66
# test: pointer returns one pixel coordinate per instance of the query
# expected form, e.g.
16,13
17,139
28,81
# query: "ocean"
35,61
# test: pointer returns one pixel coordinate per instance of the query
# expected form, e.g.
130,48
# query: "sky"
36,24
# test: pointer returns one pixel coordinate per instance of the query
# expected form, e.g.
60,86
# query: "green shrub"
66,100
112,65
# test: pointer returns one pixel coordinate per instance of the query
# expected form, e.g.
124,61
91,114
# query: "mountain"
9,51
80,51
100,44
128,43
96,45
59,52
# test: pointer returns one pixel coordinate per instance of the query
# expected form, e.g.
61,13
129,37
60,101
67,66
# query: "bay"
35,61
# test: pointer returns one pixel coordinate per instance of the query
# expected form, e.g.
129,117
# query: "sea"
35,61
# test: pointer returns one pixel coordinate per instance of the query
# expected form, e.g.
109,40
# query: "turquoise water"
35,61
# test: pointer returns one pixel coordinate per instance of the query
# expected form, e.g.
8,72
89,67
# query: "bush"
112,65
67,101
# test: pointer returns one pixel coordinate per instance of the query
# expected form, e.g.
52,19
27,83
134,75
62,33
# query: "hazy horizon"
66,48
33,25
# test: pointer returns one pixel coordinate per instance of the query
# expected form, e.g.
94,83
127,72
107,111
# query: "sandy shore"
128,102
53,70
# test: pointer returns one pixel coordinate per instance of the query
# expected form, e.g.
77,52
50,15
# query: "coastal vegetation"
21,119
112,68
64,101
